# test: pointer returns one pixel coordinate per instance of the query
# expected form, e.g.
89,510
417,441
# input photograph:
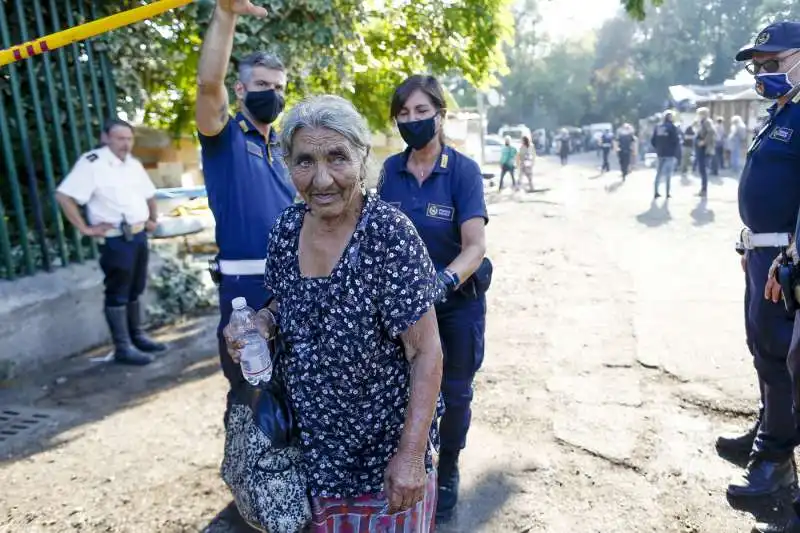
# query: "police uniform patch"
442,212
762,38
92,157
782,134
443,164
255,149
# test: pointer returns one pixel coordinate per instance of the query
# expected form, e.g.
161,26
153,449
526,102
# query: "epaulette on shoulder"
92,157
796,98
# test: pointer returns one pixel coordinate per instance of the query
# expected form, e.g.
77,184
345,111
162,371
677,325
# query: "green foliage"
637,9
181,288
360,50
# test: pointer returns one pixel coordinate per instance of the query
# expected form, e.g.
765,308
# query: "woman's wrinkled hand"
404,481
234,347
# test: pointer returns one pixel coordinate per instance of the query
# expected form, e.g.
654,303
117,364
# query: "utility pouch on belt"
786,275
483,276
127,231
213,270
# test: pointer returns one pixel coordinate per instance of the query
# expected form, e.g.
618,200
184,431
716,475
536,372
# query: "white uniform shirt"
112,190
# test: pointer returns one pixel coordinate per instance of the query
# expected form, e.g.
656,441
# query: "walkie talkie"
785,274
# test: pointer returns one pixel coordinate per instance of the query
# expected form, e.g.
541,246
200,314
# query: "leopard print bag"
267,484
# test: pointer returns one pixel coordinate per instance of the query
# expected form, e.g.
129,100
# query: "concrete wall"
50,316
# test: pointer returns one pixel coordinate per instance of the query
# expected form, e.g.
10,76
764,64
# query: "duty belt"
135,228
243,267
750,241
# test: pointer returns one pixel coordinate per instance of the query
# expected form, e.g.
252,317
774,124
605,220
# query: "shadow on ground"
476,508
85,388
657,215
701,214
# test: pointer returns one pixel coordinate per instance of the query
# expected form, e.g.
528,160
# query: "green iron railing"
51,110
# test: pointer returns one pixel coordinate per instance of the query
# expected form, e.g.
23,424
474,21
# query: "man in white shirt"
121,210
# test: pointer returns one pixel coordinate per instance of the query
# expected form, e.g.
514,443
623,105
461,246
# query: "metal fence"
51,110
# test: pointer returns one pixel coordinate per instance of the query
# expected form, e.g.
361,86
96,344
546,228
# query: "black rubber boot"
448,480
124,351
138,336
737,448
763,478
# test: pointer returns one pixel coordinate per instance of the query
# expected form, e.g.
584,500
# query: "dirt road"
615,355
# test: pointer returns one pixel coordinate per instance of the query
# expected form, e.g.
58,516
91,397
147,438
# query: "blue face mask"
419,133
773,86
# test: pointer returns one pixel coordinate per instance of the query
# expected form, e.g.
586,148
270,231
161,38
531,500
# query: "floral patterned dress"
345,371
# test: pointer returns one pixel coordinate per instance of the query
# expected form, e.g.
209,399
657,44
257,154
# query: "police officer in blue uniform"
441,191
769,197
121,209
247,183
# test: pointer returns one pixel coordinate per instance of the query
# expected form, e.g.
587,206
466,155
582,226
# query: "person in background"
441,191
687,143
625,141
563,146
121,207
718,160
606,143
245,175
666,141
706,143
737,142
508,159
525,160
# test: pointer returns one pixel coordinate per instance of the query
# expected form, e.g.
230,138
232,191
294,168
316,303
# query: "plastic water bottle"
256,362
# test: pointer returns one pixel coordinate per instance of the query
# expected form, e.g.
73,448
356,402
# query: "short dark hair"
258,59
113,123
526,141
418,82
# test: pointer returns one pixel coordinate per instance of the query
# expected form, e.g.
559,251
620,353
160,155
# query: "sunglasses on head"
770,66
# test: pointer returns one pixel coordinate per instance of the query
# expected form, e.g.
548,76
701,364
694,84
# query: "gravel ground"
615,355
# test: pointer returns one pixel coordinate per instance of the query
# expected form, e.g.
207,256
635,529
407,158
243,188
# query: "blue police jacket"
450,196
769,188
666,140
248,186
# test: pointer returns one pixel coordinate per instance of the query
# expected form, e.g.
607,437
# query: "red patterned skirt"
366,514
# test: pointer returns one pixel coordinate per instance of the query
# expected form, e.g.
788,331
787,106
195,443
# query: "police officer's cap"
776,37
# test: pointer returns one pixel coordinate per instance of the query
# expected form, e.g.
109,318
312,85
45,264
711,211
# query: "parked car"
492,149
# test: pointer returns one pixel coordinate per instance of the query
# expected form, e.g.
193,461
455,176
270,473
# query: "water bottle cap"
239,303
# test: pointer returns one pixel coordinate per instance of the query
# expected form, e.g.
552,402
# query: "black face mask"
264,106
419,133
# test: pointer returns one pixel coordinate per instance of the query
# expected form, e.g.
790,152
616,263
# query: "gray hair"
258,59
333,113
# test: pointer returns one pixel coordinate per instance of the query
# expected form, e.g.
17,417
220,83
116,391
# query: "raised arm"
211,112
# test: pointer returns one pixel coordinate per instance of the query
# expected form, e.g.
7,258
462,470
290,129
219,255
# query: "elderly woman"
363,367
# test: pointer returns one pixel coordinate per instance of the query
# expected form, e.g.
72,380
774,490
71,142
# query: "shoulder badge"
244,126
443,164
92,157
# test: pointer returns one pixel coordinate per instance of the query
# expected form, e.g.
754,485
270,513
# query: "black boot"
124,351
138,336
737,448
763,478
448,480
792,525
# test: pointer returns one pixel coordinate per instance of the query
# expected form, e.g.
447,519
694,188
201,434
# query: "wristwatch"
454,281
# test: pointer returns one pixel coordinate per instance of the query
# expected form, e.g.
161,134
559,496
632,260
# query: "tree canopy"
623,71
360,50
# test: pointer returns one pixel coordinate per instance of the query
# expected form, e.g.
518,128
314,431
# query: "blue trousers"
769,331
251,288
124,265
462,325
